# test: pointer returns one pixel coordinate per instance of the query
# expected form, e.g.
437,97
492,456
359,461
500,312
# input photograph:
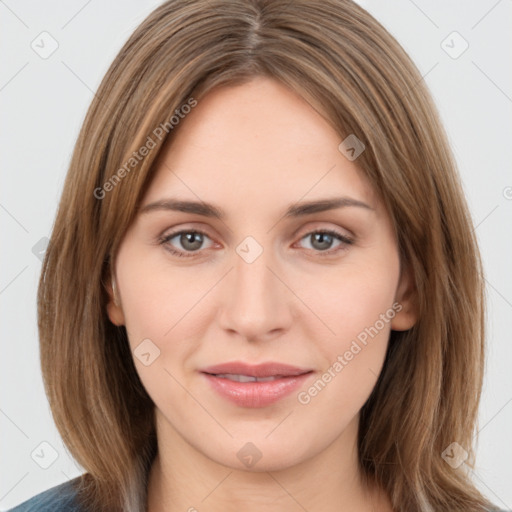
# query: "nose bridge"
257,302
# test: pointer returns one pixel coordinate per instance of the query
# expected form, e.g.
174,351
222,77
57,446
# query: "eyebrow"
293,211
210,210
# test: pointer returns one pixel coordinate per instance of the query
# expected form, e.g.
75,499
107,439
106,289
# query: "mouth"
255,385
246,378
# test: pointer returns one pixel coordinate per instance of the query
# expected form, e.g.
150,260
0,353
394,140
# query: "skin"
253,150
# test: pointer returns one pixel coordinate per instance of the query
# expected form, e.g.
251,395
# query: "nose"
258,304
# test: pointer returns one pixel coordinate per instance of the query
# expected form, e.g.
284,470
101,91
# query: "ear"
114,309
407,315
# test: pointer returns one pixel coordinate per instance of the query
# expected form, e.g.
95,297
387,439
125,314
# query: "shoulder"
60,498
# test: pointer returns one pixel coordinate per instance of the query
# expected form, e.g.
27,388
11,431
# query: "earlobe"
114,309
406,312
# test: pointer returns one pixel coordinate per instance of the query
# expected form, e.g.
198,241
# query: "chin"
261,455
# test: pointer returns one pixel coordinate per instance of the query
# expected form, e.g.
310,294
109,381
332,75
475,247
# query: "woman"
259,368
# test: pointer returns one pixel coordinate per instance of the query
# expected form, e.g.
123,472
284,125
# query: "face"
304,300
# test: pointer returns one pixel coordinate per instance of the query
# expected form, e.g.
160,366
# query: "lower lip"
256,394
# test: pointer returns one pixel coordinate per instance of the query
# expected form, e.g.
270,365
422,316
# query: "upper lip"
269,369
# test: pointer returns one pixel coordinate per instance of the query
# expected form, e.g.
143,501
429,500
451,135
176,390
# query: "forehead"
253,145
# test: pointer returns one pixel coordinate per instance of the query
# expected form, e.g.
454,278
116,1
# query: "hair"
358,77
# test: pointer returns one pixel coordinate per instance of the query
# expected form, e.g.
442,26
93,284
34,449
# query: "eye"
190,240
322,240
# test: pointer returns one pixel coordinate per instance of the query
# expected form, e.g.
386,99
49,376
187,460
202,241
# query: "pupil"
320,237
188,241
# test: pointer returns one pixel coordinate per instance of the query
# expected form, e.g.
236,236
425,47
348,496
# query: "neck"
183,479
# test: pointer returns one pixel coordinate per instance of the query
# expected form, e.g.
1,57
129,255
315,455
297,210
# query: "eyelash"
342,238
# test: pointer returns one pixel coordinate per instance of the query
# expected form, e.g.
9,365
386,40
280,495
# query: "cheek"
155,297
155,301
163,305
350,298
357,305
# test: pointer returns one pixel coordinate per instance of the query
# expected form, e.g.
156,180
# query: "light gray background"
43,102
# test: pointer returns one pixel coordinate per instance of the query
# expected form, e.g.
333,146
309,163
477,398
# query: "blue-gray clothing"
60,498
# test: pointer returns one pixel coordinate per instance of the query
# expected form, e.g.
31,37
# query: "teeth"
245,378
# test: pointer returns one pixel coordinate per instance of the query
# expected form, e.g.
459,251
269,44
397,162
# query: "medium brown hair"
341,60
